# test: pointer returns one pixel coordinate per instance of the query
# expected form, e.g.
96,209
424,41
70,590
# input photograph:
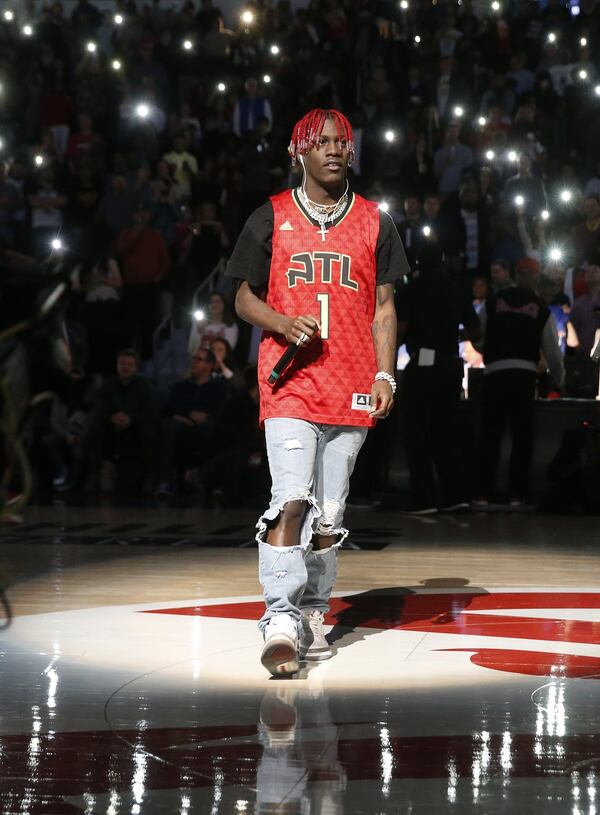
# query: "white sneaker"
313,644
280,651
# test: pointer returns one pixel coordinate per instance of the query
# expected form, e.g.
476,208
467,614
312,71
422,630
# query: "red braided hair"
307,130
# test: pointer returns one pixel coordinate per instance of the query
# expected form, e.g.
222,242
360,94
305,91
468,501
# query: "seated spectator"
123,425
218,322
188,427
225,364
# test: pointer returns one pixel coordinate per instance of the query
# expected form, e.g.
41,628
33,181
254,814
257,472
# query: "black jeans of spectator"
507,399
106,443
60,454
430,398
140,304
181,445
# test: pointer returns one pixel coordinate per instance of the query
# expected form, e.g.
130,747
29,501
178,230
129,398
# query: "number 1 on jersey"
323,300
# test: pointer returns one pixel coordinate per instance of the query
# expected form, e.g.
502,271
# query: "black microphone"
283,361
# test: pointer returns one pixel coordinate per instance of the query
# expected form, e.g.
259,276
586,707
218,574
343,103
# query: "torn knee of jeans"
330,518
292,444
269,519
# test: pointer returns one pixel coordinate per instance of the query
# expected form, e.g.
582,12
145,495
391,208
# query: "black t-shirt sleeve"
391,259
251,256
404,302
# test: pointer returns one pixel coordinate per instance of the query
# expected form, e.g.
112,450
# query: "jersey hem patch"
361,401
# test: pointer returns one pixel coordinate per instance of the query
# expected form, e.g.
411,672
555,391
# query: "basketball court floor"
465,675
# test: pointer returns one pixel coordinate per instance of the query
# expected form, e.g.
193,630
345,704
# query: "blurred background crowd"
139,136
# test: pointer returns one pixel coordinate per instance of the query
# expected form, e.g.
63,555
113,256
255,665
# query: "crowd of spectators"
140,135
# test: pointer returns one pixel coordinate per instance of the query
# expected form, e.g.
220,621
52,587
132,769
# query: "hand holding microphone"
299,332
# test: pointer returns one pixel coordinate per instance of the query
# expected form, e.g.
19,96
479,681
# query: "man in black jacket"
188,426
518,325
123,422
431,308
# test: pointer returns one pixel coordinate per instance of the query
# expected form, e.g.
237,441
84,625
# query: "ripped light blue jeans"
312,463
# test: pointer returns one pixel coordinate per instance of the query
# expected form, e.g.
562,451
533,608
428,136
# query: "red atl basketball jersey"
332,277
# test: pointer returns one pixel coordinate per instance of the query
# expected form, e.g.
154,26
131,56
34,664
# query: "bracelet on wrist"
383,376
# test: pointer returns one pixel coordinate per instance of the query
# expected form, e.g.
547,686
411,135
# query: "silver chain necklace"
323,213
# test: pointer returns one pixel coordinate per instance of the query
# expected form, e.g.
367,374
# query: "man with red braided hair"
316,267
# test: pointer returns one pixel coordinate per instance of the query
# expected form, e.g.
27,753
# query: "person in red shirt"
316,267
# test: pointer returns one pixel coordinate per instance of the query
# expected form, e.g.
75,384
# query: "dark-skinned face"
327,162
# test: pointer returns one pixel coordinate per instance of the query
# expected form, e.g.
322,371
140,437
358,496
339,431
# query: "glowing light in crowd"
247,17
116,64
404,5
519,200
266,79
575,11
551,37
513,156
9,15
597,90
427,231
27,30
459,111
91,47
142,110
275,49
1,144
384,206
495,6
56,244
583,42
187,45
545,215
417,39
555,254
583,74
118,19
221,87
198,315
482,121
566,196
38,160
389,136
490,155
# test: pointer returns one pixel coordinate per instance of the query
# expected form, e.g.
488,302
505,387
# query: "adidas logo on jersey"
286,227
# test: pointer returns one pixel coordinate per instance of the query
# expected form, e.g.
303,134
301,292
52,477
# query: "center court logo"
519,616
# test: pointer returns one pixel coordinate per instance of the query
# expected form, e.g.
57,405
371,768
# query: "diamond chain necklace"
316,210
